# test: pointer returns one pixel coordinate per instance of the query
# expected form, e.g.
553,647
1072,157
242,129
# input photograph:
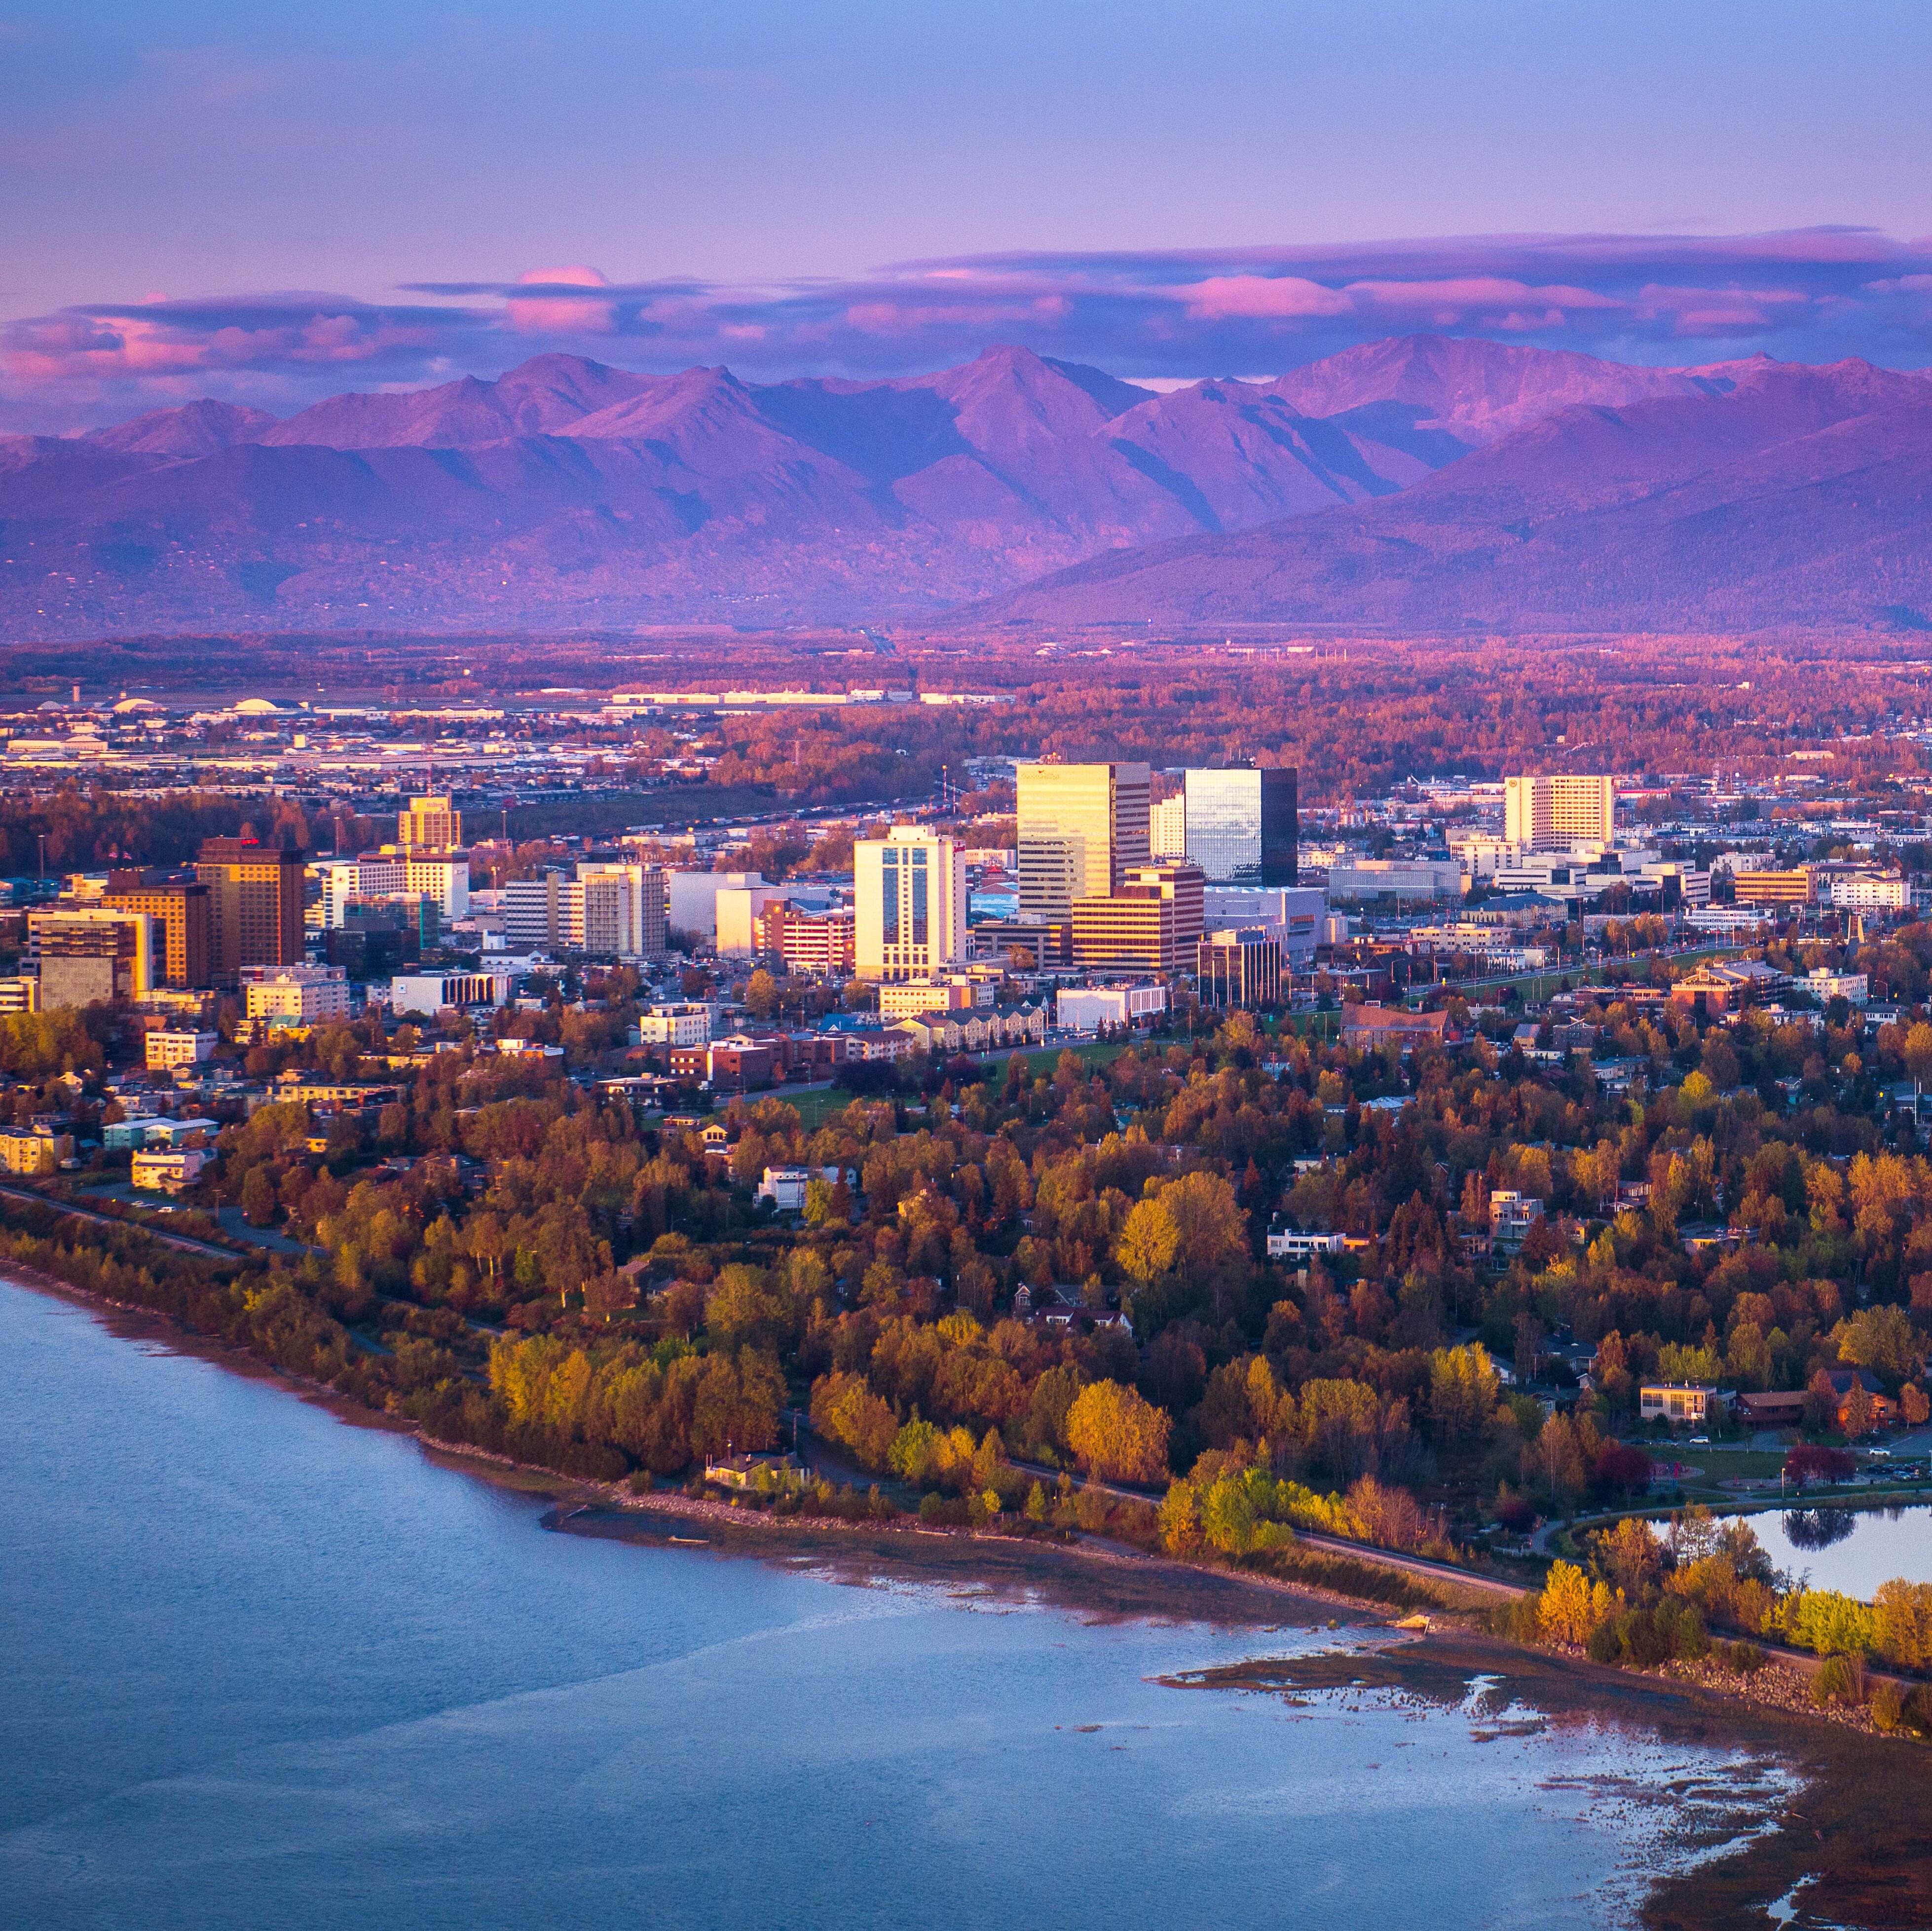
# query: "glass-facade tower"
1242,826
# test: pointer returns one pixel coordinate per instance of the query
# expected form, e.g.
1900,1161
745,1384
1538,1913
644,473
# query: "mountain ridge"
1012,488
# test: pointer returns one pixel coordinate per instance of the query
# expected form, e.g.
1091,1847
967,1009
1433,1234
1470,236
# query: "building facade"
1239,968
1081,827
90,955
429,823
1554,809
302,994
255,904
1244,827
909,889
1167,827
429,992
186,951
807,941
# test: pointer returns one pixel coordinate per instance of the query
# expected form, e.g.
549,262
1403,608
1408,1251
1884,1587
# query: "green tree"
761,995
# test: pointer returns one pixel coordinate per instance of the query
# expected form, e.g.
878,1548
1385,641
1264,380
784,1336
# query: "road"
1339,1545
187,1243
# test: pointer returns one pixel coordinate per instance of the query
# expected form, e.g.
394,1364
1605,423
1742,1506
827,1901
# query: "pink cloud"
553,315
1260,297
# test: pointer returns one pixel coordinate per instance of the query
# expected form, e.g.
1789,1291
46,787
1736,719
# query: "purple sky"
871,189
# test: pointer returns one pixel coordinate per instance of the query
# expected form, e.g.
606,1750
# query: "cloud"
1810,295
548,309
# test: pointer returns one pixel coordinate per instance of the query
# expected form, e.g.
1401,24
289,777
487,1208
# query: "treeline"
88,828
1641,1599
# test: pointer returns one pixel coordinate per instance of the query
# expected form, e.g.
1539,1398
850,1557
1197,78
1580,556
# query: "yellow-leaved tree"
1570,1608
1116,1435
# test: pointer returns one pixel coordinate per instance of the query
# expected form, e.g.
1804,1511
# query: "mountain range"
1424,482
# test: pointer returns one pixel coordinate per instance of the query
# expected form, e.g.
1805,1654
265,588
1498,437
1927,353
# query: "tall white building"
1081,826
909,891
615,911
1167,827
1554,809
441,877
624,910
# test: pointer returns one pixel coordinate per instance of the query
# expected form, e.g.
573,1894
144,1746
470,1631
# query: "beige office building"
909,894
1556,810
1081,828
433,824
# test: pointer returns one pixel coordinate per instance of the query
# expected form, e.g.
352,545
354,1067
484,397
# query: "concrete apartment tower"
1552,811
910,896
1081,828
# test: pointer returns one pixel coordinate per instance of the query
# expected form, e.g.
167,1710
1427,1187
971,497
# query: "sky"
270,204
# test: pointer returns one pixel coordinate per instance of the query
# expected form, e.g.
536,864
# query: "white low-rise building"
170,1171
1292,1244
1396,879
301,993
165,1050
429,992
1869,892
1824,985
684,1024
1083,1008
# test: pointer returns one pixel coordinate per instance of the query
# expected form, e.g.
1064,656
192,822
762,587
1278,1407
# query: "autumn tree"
1117,1435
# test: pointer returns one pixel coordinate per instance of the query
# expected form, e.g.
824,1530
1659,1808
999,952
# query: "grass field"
818,1104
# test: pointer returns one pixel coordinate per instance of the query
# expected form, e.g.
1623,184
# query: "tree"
1179,1519
1859,1414
742,1308
1148,1243
761,995
844,1410
1807,1463
258,1198
1630,1557
1210,1227
1913,1405
1463,1386
1902,1613
1117,1434
1917,1054
1569,1608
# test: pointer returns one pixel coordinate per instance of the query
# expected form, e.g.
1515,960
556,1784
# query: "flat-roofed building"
1080,827
1239,968
187,947
1167,827
1554,808
1135,928
687,1025
1772,888
1084,1008
1244,826
434,823
910,890
1187,887
91,955
168,1049
807,941
301,993
430,993
255,904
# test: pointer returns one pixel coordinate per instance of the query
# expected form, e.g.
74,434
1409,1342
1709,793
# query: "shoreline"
1878,1821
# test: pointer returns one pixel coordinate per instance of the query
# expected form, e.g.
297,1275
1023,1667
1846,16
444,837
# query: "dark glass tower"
1244,827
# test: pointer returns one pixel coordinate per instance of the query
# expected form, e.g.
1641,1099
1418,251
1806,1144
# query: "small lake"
264,1669
1852,1551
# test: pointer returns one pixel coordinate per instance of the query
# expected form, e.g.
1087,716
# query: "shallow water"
1852,1551
262,1668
